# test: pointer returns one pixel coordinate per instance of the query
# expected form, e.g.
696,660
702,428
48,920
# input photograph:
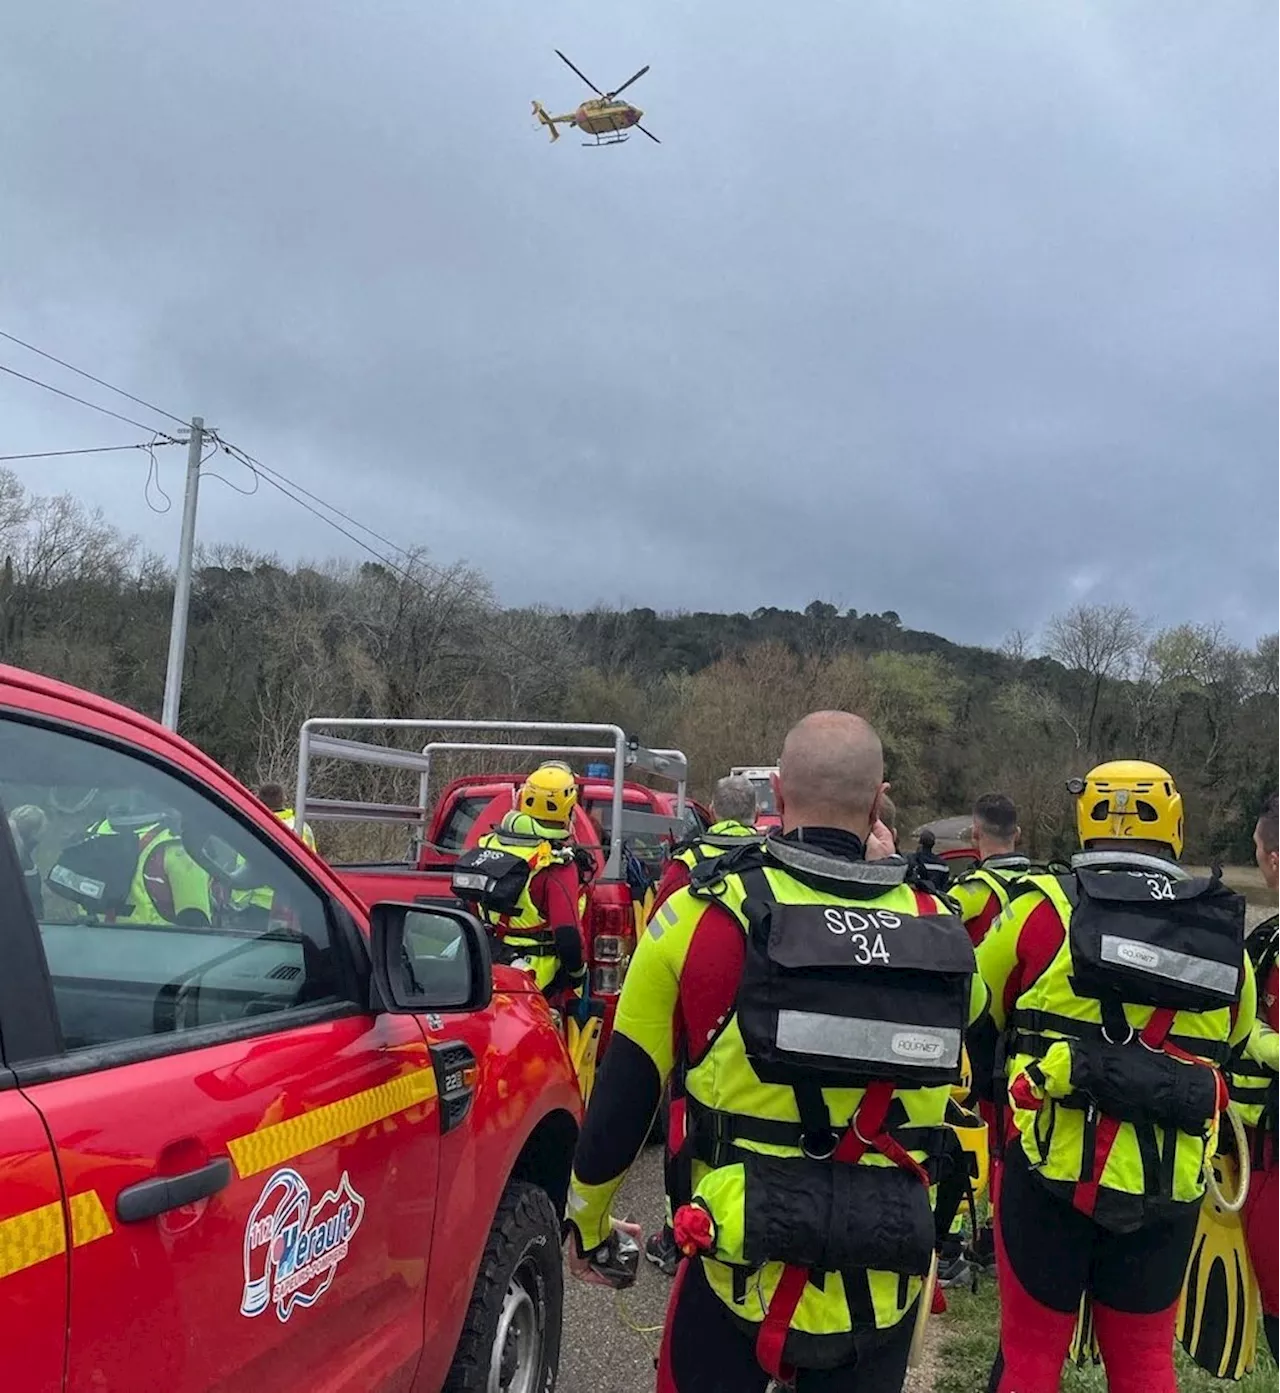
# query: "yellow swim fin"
1084,1342
1219,1310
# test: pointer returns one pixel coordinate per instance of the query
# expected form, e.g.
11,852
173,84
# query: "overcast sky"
962,308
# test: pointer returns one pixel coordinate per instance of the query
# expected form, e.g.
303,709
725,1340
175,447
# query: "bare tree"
1017,644
1101,643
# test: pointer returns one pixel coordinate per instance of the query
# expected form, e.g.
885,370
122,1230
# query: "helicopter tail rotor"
540,112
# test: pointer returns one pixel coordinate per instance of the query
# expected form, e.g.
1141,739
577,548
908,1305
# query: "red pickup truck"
254,1134
468,807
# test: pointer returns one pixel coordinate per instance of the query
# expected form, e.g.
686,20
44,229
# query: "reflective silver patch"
81,884
877,1042
892,870
670,913
1164,962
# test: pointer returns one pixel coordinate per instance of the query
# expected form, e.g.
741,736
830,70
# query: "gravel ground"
598,1353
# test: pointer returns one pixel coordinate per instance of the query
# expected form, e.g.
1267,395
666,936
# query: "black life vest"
1156,941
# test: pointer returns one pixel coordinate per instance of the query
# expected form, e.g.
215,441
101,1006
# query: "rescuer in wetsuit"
983,891
541,927
1122,989
809,1254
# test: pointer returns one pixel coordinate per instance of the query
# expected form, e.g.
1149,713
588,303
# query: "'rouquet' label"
291,1250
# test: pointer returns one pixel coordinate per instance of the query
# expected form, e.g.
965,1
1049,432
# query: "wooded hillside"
271,644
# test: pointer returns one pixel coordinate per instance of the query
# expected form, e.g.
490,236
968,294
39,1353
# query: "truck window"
158,910
461,819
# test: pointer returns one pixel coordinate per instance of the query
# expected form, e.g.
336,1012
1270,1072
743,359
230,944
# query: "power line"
153,477
251,463
283,484
71,367
91,450
92,405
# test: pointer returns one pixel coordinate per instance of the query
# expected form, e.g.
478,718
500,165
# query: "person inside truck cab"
27,825
529,891
131,867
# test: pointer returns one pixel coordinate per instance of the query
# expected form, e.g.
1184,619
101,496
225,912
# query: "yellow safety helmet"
1128,798
549,794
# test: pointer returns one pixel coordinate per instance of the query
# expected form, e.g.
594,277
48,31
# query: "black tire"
523,1252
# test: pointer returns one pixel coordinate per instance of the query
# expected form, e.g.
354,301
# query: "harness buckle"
1128,1039
819,1145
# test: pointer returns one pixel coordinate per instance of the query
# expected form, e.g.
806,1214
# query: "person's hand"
581,1269
879,842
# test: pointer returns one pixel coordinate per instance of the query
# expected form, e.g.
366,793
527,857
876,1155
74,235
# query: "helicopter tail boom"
540,112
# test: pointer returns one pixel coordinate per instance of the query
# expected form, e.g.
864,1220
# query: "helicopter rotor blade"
580,73
650,134
628,82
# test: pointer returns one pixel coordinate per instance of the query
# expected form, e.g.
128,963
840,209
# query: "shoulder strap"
1267,938
711,872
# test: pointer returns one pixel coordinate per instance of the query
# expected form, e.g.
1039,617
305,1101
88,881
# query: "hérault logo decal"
292,1250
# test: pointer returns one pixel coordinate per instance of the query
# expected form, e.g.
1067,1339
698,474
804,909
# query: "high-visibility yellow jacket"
1056,1038
680,995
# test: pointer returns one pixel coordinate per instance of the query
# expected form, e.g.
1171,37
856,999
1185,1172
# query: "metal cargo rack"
625,753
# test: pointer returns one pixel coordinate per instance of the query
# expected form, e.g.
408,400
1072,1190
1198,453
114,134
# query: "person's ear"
1017,835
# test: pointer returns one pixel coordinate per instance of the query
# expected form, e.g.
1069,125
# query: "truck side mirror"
428,959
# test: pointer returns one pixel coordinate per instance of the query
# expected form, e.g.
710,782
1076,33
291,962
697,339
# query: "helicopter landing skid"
618,138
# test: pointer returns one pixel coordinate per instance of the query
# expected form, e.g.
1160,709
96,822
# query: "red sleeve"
709,978
983,920
1039,939
675,877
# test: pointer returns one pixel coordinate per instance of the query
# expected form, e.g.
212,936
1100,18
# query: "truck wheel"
510,1340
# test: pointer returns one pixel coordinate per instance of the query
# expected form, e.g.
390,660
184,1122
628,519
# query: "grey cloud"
962,311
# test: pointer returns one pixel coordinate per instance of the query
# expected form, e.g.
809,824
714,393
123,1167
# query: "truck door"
265,1149
33,1247
36,1227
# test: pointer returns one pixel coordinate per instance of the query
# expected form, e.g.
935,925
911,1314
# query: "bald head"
831,773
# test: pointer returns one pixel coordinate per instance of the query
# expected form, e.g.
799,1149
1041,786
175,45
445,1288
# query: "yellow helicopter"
606,119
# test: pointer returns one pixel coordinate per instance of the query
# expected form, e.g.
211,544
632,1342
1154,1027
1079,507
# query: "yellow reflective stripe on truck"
36,1235
281,1141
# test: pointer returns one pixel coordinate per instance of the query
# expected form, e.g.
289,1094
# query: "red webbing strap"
1085,1198
866,1130
772,1339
